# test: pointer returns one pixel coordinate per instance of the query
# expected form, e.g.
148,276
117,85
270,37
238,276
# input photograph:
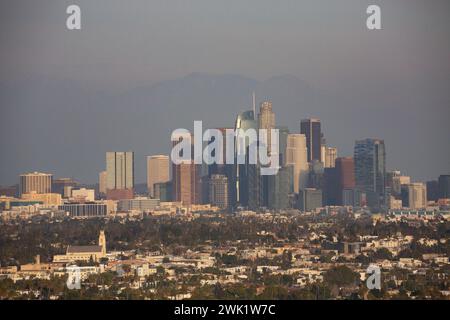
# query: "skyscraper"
119,175
280,187
36,182
414,196
218,190
370,170
345,170
329,156
444,186
244,172
157,171
296,155
186,179
266,120
312,130
102,178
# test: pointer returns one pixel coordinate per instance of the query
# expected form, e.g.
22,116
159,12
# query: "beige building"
37,181
266,120
157,171
83,195
329,155
84,253
296,155
417,195
48,199
397,183
102,182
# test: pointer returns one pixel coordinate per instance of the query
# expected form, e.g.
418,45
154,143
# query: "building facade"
370,171
311,128
157,171
36,182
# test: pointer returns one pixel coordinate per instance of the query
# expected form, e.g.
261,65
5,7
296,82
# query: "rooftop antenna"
254,104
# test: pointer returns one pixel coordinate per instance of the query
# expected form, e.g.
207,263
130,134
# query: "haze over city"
161,65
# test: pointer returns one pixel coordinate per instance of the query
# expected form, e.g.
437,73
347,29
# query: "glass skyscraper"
370,171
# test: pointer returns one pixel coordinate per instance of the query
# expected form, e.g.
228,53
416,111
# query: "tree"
341,276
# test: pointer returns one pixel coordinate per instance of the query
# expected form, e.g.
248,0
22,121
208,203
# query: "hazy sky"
402,71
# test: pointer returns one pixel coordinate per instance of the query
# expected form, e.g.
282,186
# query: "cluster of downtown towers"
310,175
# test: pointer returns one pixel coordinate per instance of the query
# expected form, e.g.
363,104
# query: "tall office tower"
414,196
432,190
157,171
102,178
218,191
63,186
223,169
266,120
186,183
283,133
36,182
311,129
444,186
280,187
390,175
339,179
296,155
329,156
242,173
370,170
186,179
119,175
315,175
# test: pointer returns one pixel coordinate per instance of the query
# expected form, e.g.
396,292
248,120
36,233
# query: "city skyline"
390,84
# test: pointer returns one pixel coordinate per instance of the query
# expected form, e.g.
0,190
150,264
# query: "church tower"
102,242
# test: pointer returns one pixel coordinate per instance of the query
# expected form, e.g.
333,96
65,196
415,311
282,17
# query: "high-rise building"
266,120
339,179
309,199
186,179
163,191
329,156
414,196
102,178
157,171
283,133
37,182
433,190
316,175
444,186
370,171
186,183
119,175
280,187
311,128
397,182
345,170
245,176
218,190
296,155
222,169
